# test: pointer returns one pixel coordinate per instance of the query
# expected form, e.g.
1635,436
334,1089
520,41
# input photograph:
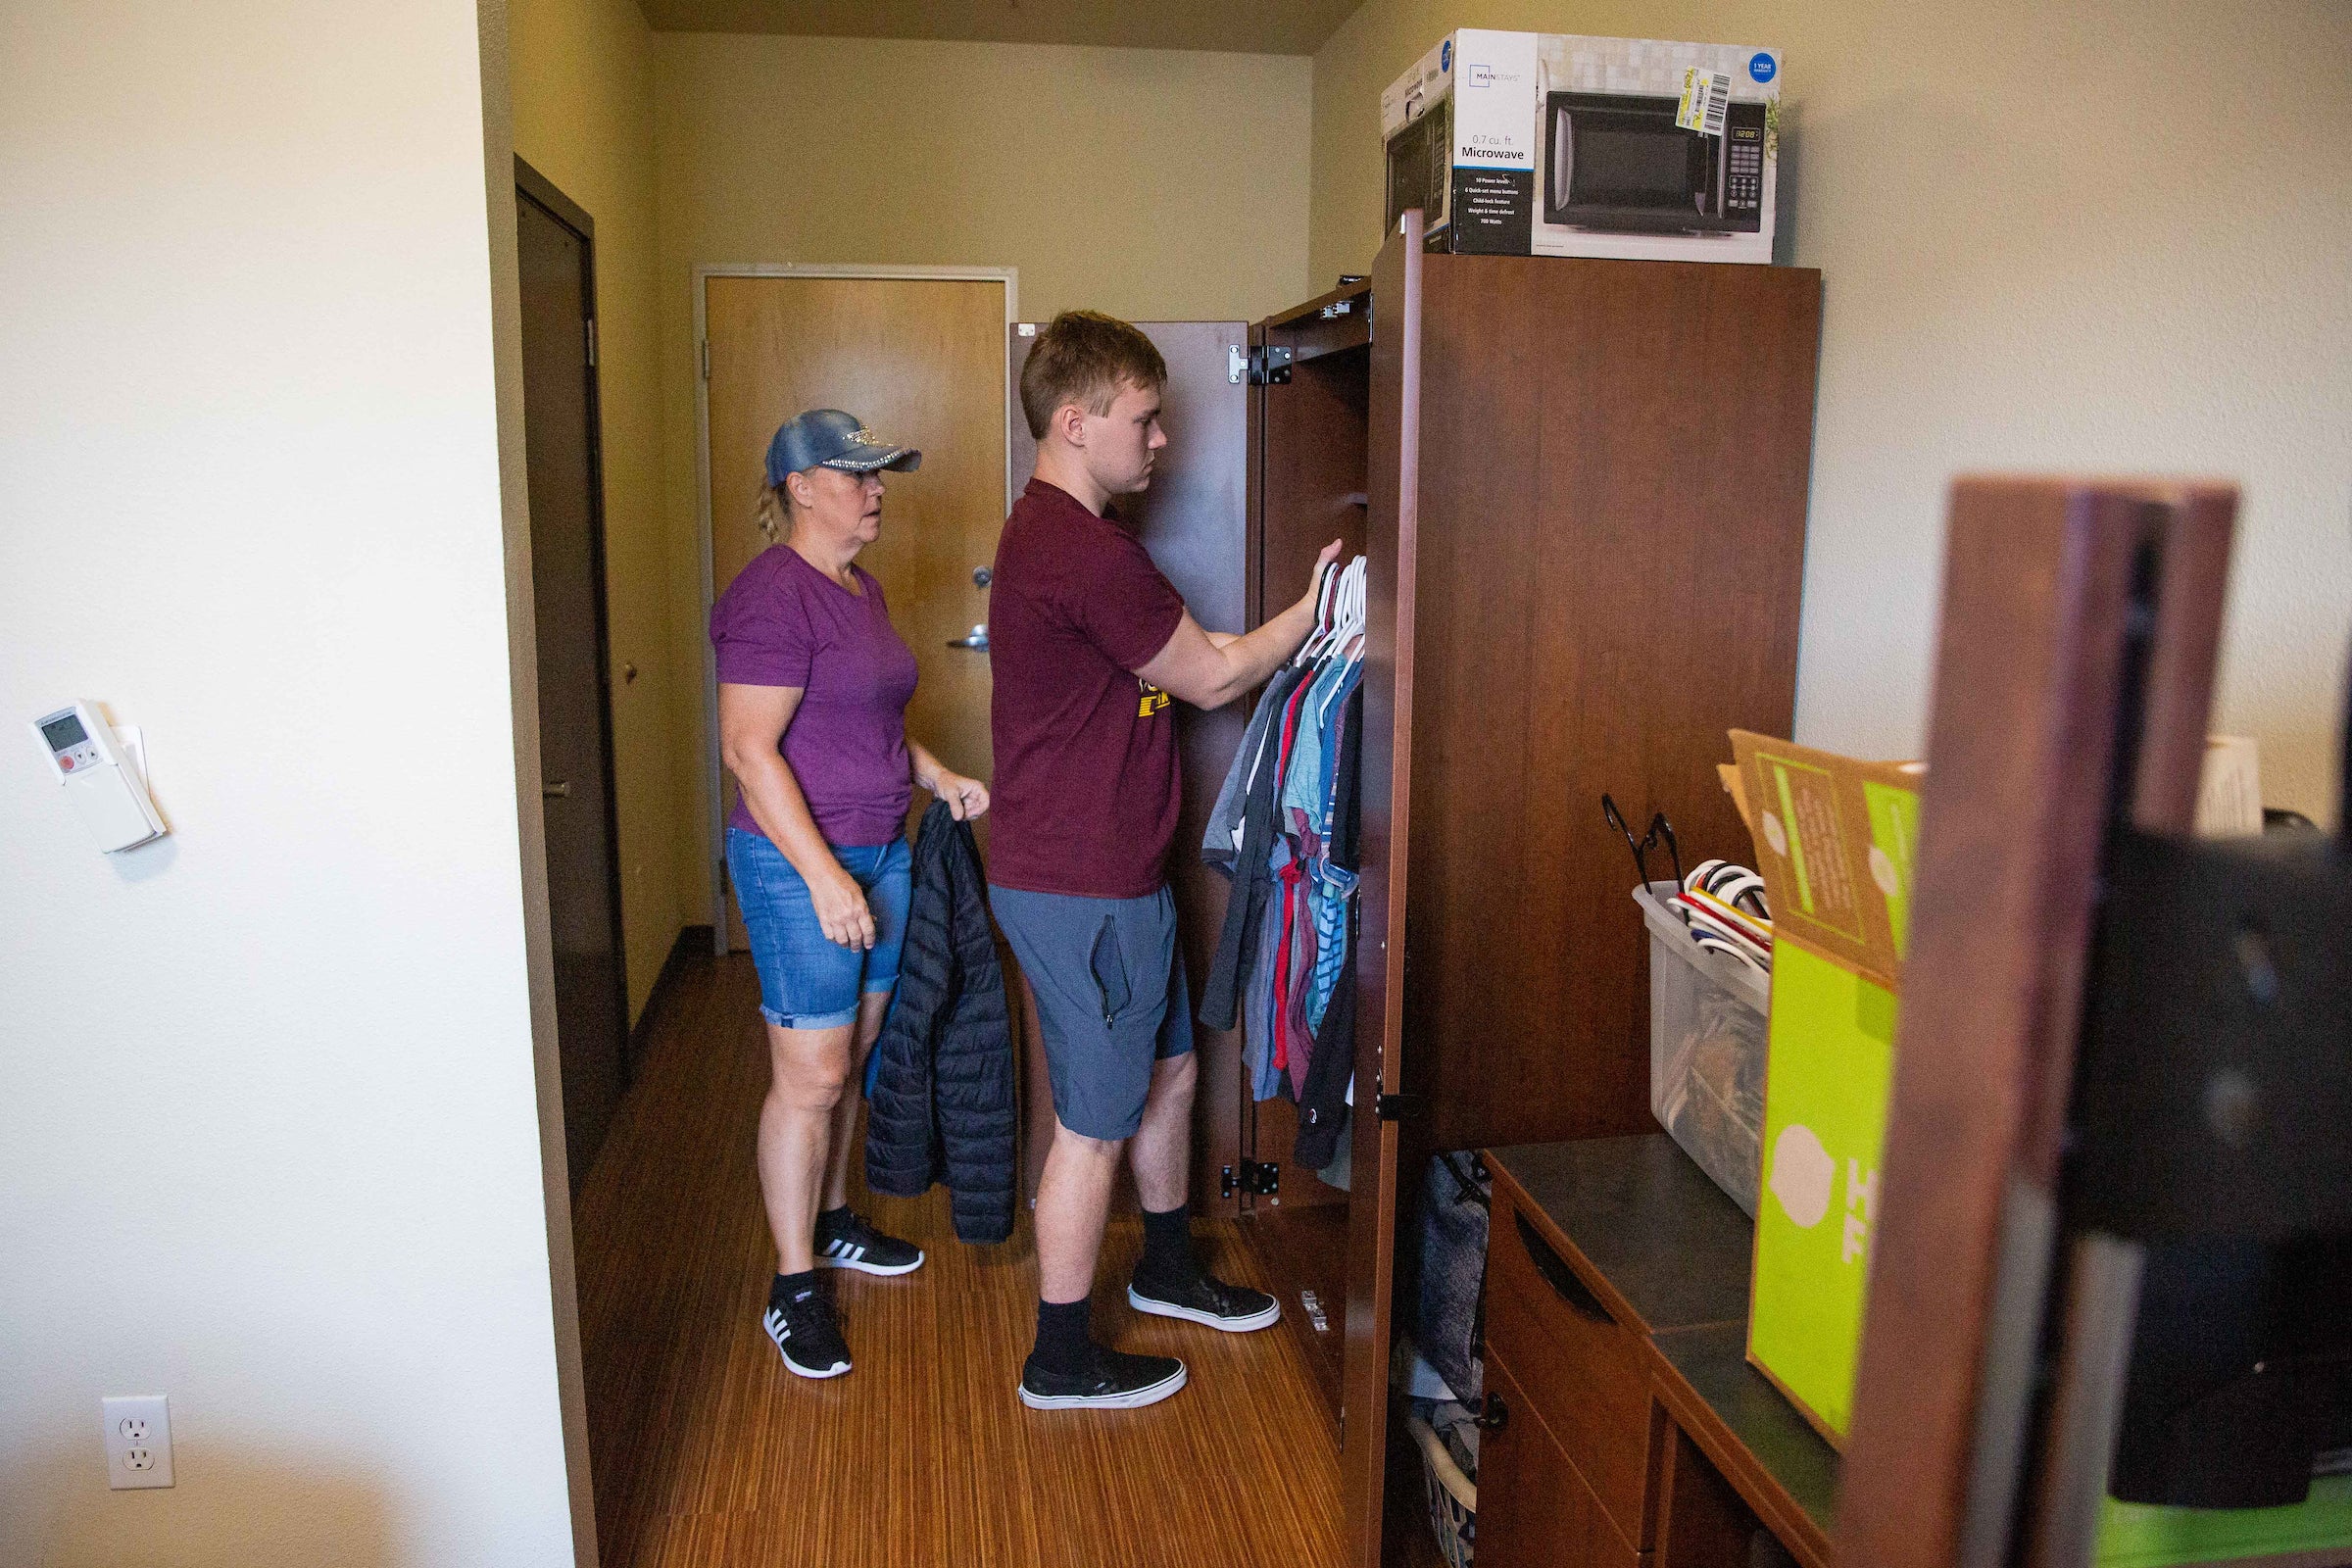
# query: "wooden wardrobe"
1581,488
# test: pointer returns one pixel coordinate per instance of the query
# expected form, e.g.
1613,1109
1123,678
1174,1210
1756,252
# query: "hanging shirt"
1298,977
1303,772
1337,706
1221,995
1257,1012
1221,841
1333,889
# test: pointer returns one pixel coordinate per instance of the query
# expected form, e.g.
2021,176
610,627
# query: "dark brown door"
576,730
1392,554
1194,519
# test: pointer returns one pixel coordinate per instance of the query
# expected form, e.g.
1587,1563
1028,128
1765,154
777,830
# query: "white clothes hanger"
1326,594
1348,614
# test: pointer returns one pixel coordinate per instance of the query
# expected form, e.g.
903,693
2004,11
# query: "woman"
812,691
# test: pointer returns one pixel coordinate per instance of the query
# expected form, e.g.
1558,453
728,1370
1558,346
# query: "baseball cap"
831,439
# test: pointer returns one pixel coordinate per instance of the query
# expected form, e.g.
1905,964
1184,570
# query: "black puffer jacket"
942,1106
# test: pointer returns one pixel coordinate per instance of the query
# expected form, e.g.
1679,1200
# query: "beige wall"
1149,183
583,88
2094,236
271,1137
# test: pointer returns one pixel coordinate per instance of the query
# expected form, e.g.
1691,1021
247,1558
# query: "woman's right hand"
841,911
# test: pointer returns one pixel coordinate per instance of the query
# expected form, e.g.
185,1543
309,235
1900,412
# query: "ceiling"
1248,26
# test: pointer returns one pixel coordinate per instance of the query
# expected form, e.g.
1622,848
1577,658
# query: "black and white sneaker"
852,1243
802,1325
1235,1308
1116,1381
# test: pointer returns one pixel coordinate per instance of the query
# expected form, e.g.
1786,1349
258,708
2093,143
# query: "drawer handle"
1558,1275
1494,1415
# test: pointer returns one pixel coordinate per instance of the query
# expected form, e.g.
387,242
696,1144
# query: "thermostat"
97,777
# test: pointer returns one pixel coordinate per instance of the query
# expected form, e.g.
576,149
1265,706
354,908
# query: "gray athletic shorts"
1111,998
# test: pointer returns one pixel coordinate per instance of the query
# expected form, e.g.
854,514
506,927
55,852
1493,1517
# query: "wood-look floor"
708,1452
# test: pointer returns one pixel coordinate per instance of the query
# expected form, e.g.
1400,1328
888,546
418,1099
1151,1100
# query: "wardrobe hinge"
1263,1177
592,342
1269,364
1388,1107
706,359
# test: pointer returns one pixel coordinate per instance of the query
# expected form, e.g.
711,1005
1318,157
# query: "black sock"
1168,1245
792,1286
1062,1342
831,1221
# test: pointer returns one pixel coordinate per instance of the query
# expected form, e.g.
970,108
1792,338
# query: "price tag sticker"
1706,94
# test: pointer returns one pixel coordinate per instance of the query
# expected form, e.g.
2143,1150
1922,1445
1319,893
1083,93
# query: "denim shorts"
807,980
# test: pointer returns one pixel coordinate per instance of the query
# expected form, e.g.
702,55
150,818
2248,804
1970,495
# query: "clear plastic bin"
1708,1018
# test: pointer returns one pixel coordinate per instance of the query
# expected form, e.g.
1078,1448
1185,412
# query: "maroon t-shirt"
1085,793
782,622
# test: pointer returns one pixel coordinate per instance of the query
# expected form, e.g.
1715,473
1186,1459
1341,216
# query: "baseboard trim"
692,946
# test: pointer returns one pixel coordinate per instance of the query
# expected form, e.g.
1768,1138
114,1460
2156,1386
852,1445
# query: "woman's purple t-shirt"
783,622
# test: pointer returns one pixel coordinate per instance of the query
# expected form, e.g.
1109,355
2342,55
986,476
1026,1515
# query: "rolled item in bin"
1756,930
1716,939
1723,936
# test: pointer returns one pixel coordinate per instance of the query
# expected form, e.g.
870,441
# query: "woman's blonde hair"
772,512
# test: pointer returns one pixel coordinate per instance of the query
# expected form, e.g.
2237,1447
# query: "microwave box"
1557,144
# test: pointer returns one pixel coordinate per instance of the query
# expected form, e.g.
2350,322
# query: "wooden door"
921,362
1609,583
575,724
1393,548
1193,520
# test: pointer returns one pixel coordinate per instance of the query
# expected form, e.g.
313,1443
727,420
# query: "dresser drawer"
1579,1367
1534,1511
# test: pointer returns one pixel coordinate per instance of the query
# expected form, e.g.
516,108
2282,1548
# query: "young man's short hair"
1084,357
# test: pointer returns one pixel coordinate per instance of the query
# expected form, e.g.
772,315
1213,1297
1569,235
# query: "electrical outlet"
138,1441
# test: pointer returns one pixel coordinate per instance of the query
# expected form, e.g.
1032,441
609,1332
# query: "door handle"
560,789
976,639
1558,1275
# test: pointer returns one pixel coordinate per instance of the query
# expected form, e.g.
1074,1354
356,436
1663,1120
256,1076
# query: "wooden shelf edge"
1698,1420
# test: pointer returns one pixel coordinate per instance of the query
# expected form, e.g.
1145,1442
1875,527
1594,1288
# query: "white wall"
2103,236
269,1102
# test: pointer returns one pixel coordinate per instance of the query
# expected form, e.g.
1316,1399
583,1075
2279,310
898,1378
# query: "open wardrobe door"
1380,951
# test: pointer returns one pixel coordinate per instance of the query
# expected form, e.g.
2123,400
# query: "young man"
1089,643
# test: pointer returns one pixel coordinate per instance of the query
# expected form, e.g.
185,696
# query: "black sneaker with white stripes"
801,1322
1112,1381
843,1240
1235,1308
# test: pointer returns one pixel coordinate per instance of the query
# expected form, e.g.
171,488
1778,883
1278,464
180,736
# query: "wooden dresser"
1626,1428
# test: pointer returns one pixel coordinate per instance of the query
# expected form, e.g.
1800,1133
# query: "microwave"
1618,163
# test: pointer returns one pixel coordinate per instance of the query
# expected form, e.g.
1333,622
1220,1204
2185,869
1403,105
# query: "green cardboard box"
1827,1074
1833,841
